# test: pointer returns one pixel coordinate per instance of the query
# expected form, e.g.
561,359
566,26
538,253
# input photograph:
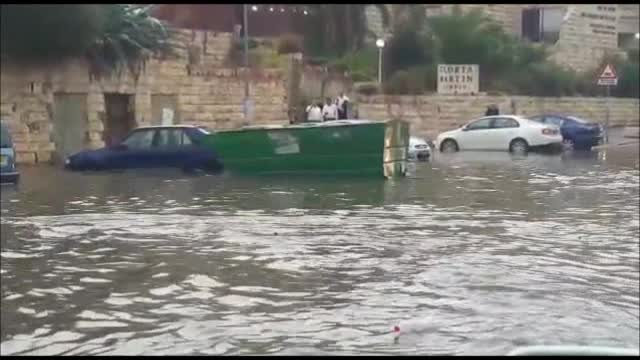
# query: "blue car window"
186,140
140,139
162,140
5,138
172,138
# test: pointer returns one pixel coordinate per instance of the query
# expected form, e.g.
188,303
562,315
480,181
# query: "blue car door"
168,148
136,151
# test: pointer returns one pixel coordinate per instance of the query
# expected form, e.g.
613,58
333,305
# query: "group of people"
492,110
336,109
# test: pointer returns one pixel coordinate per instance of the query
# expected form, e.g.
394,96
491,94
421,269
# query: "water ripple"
472,259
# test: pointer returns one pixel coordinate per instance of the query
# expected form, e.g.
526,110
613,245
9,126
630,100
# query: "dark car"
576,133
152,147
8,171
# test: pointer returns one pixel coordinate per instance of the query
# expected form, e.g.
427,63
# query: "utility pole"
606,134
247,105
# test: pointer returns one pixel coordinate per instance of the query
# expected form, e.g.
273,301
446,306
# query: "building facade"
578,35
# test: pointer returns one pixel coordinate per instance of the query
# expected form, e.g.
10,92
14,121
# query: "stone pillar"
96,114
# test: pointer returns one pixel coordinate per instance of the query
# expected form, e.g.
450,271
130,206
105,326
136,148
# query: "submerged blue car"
576,133
151,147
8,171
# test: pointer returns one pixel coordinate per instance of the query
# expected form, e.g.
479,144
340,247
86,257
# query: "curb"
607,146
631,132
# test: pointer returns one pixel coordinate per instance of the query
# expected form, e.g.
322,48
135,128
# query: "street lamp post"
247,100
380,45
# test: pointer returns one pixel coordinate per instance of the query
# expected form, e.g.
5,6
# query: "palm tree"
129,36
336,29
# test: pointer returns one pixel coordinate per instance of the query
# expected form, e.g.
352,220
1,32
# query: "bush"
367,89
407,49
398,84
271,59
359,76
362,64
289,44
548,79
238,45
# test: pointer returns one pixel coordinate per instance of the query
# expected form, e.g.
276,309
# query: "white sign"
284,143
608,76
608,82
458,79
167,116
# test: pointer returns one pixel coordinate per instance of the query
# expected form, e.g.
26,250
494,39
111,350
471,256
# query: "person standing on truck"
330,111
314,112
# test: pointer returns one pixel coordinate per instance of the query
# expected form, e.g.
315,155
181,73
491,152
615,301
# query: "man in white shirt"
330,111
314,113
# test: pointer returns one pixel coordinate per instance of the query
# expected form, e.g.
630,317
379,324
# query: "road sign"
608,82
608,77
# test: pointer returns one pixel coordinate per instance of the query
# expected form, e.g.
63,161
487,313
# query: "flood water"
482,252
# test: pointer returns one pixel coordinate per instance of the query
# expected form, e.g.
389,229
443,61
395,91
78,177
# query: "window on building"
542,24
628,41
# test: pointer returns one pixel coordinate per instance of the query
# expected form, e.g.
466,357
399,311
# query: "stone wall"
430,115
208,93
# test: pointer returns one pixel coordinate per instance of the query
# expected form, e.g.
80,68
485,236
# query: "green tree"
333,30
472,38
41,33
109,35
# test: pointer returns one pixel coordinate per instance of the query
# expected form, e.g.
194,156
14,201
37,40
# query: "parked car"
576,133
419,149
151,147
8,172
500,132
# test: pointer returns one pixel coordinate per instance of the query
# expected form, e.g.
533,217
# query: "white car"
419,149
500,132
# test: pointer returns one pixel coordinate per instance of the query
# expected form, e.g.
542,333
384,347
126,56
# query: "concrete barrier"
632,132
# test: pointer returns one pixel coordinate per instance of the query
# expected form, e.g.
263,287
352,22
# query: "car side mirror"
464,128
121,147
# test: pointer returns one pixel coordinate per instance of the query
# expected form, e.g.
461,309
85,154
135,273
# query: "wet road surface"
482,252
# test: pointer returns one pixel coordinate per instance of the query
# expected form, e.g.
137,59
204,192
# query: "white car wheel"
519,146
449,146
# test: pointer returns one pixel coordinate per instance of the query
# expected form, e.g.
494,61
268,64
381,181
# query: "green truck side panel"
347,149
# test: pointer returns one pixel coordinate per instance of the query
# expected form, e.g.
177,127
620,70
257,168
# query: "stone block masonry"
208,93
430,115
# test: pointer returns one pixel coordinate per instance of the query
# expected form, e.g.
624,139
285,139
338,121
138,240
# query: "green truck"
341,147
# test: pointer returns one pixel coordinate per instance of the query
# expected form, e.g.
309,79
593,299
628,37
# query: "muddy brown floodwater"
483,252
